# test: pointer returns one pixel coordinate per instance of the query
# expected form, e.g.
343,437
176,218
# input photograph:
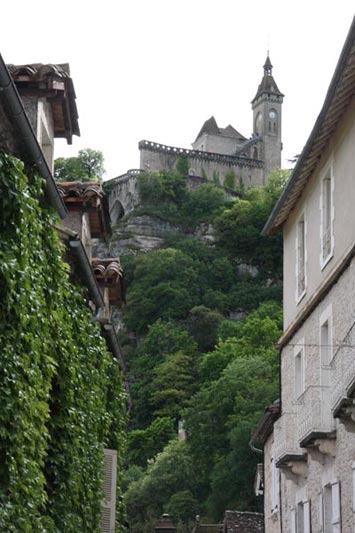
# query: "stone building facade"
313,441
218,151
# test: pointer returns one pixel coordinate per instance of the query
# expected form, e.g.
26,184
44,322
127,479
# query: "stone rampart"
155,156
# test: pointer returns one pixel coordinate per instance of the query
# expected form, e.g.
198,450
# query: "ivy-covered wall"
61,397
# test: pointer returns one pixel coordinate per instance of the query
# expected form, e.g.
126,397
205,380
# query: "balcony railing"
343,381
286,445
315,419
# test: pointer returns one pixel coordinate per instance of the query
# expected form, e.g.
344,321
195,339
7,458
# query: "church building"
219,151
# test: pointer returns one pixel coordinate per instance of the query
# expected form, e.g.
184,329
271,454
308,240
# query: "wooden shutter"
321,516
307,517
336,511
293,521
109,487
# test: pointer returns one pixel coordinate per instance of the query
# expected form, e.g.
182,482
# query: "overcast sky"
157,69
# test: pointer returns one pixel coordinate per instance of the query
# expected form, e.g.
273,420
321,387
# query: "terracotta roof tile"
88,196
109,274
54,82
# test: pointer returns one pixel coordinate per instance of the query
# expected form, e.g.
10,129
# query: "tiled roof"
38,71
243,522
339,95
109,274
88,196
266,424
229,131
268,84
54,82
210,127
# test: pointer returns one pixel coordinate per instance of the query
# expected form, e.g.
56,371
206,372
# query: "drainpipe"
117,351
256,450
18,114
88,275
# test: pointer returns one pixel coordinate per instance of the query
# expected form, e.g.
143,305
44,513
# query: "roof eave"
273,224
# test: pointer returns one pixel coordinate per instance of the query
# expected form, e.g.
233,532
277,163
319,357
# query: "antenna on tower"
268,45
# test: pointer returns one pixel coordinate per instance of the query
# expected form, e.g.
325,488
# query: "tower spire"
268,66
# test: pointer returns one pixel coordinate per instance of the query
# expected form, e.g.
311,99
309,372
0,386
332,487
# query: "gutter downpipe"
117,350
89,277
253,449
18,113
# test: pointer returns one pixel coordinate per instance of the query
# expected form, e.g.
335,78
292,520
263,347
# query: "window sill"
301,296
324,262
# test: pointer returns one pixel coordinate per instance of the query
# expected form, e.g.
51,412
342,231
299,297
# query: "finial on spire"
268,66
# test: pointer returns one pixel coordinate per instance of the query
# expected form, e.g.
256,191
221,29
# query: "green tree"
165,285
238,379
144,444
87,166
229,180
171,472
162,339
173,384
239,228
202,324
183,507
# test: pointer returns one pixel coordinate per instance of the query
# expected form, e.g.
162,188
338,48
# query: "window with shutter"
336,511
331,508
326,349
326,217
300,517
321,516
293,521
109,488
301,258
299,370
275,480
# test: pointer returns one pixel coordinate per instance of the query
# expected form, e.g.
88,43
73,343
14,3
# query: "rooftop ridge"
198,154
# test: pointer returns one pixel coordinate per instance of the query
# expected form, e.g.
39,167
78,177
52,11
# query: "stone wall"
243,522
333,458
154,156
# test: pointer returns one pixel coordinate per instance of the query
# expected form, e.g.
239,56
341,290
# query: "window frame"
326,318
327,177
275,487
299,352
301,261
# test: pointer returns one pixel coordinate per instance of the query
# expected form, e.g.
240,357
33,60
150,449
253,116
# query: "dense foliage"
61,399
88,165
205,318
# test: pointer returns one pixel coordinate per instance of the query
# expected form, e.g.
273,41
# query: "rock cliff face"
141,233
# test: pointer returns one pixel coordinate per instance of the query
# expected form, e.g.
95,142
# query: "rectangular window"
301,258
327,509
326,348
301,518
275,480
299,372
326,218
331,512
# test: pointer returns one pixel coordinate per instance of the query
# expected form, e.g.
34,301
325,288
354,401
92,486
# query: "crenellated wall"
155,156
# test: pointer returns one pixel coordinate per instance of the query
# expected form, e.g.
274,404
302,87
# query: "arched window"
273,121
257,125
255,153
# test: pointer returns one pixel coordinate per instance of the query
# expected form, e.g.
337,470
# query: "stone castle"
216,152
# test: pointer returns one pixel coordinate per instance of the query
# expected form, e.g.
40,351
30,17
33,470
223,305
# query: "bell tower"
267,108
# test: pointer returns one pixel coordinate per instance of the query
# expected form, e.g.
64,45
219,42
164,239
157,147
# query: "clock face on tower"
272,114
